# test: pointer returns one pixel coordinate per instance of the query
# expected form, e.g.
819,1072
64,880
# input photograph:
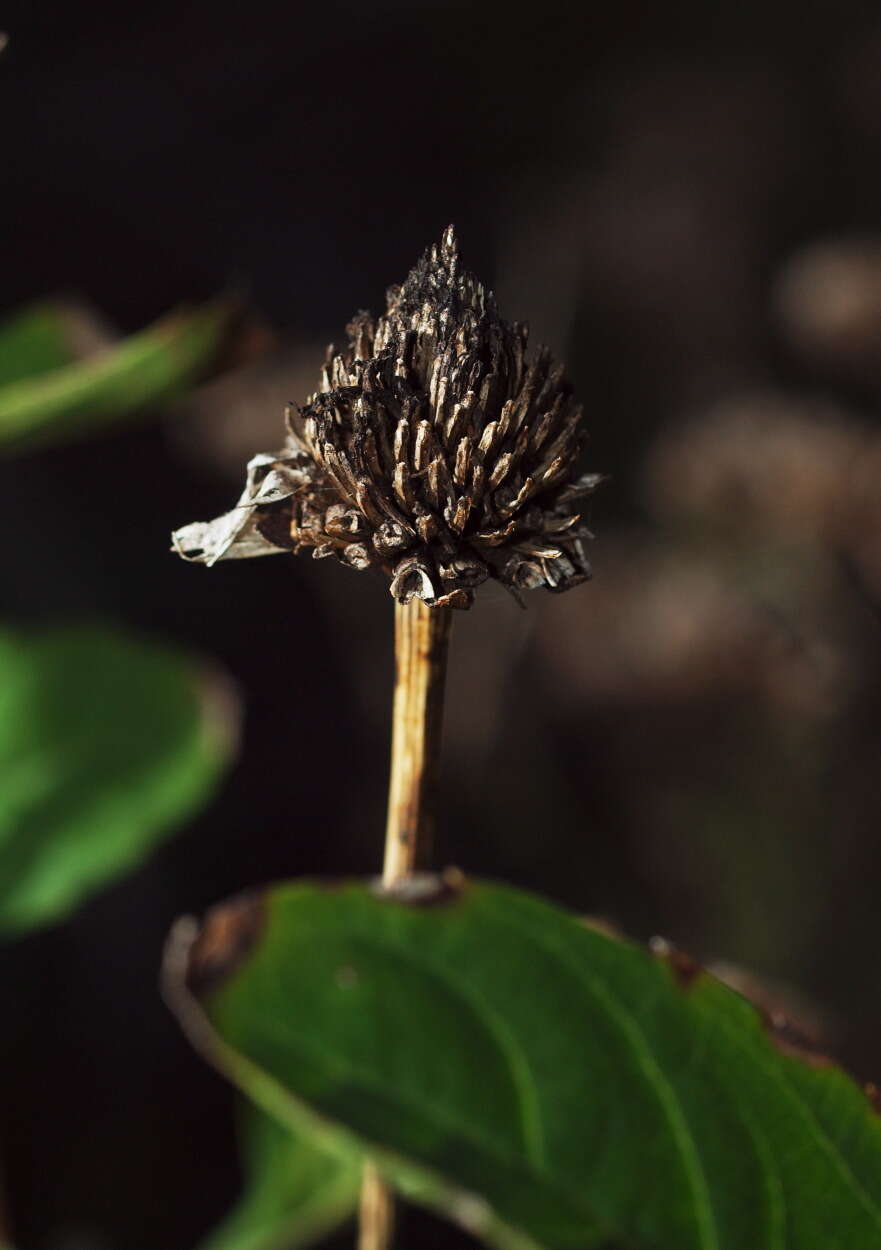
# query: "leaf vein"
664,1090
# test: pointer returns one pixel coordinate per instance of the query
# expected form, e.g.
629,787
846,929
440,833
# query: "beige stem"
421,638
376,1213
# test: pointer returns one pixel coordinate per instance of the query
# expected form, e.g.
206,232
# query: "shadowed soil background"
685,202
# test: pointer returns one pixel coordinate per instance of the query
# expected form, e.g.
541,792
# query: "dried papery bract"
435,450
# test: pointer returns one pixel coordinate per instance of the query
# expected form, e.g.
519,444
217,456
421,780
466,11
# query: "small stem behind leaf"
376,1212
421,641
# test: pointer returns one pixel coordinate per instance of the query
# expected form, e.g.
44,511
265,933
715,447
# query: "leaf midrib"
666,1093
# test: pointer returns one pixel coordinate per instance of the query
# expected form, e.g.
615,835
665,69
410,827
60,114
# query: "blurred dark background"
685,201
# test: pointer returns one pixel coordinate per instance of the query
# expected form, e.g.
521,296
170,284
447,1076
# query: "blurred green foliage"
298,1187
35,340
47,398
106,746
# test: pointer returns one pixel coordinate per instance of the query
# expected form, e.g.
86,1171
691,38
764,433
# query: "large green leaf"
145,369
299,1186
545,1083
106,746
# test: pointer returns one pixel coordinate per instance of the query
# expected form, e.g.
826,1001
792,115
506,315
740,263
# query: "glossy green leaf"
545,1083
299,1187
106,746
146,369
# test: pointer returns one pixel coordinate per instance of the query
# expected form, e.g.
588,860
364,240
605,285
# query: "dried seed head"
435,450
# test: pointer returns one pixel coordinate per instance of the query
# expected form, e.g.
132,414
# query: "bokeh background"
685,202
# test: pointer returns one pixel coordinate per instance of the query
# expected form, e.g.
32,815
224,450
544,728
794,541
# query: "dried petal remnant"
435,450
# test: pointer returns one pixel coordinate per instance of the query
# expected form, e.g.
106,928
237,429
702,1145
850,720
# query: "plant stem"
376,1212
421,639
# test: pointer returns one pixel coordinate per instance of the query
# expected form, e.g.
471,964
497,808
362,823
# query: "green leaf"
106,746
545,1083
148,368
34,340
299,1187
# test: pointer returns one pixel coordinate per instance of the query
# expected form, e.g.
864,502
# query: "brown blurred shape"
828,303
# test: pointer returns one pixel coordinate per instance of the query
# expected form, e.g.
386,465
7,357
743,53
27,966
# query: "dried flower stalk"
421,638
421,643
376,1212
439,453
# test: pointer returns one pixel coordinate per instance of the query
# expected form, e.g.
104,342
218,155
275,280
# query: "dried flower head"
434,451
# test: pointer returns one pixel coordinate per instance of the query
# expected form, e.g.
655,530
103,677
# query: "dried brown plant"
435,450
